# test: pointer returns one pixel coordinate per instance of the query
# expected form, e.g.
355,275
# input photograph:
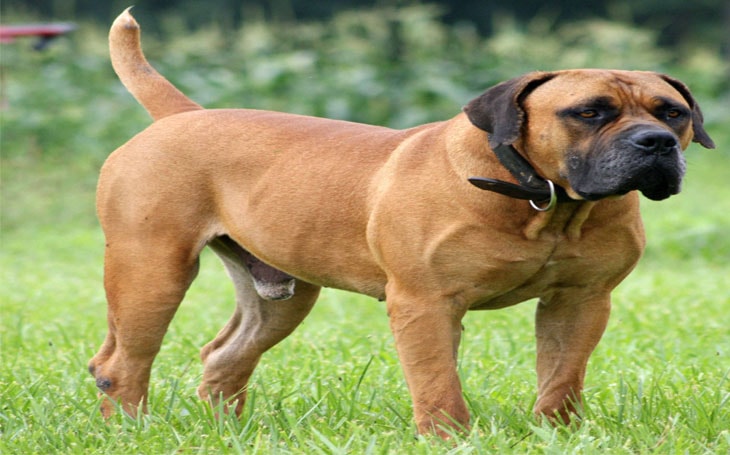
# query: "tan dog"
293,203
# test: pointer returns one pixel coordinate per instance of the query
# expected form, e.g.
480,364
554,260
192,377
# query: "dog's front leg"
427,336
568,328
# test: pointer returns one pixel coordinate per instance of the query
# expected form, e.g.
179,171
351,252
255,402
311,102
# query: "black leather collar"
531,186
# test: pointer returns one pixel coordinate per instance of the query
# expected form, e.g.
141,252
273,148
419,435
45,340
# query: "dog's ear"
700,135
499,112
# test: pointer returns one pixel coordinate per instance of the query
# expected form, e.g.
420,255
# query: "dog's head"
597,133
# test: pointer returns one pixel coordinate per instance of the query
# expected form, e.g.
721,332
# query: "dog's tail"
149,87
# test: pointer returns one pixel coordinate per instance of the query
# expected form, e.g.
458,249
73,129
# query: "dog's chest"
552,254
529,276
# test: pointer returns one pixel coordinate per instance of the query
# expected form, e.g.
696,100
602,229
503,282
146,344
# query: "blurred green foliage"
390,66
678,22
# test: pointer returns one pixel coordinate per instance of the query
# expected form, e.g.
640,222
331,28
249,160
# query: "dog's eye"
593,113
674,113
588,113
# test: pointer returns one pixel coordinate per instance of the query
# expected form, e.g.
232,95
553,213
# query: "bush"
396,67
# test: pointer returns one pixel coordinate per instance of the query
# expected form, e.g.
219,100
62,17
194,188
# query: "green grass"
657,383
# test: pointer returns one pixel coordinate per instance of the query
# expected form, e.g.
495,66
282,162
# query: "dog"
531,192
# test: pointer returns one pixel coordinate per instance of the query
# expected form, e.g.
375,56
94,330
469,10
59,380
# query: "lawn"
658,382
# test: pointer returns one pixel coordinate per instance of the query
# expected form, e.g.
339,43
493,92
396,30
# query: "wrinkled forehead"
620,88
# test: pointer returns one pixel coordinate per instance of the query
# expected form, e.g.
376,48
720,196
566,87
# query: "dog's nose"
655,142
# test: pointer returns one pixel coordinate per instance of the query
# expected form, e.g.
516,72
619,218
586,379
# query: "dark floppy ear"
498,111
700,135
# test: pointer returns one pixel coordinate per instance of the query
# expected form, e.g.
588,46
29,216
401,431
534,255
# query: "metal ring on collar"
551,203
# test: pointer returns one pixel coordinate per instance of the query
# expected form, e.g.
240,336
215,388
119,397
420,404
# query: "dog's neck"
531,186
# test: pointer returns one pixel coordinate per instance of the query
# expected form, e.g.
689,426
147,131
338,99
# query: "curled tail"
149,87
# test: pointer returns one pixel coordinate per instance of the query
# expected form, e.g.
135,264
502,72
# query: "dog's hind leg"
256,325
145,283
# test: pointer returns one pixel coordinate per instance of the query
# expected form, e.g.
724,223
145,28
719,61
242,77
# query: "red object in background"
46,32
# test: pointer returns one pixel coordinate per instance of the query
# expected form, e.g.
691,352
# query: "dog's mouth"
656,181
660,182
